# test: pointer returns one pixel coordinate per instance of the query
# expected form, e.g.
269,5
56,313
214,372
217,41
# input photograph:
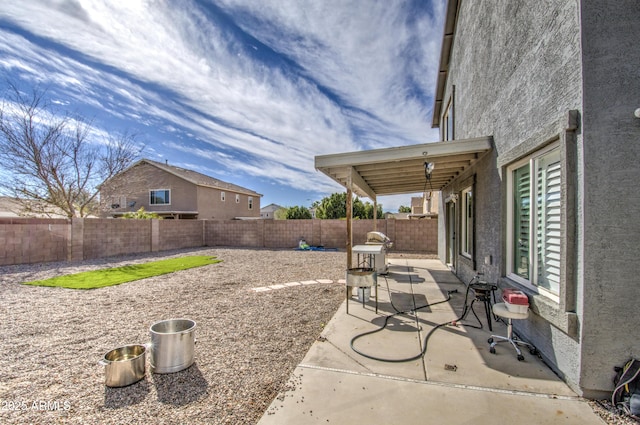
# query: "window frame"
151,196
565,130
531,282
117,202
467,221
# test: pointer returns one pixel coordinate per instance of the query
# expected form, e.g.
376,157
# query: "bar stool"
501,310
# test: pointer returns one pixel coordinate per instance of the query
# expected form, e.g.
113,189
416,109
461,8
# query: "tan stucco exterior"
191,195
211,205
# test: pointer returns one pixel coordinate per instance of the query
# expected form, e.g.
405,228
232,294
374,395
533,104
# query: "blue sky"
246,91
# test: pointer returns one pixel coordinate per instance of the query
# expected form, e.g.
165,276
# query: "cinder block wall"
407,235
287,233
333,233
234,233
177,234
107,237
415,235
24,241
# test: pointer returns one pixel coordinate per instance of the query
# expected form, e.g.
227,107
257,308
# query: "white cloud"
356,74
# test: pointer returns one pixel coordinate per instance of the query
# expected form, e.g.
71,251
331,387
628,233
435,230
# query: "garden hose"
413,310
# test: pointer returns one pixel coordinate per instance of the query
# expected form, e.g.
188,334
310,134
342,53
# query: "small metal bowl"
124,365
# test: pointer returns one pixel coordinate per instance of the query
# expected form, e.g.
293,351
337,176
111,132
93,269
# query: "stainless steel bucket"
172,345
361,277
124,365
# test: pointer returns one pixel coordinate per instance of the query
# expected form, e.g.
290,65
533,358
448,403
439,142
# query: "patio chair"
501,310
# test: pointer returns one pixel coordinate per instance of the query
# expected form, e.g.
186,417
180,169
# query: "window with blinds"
548,231
536,231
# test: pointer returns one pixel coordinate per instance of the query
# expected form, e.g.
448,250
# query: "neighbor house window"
237,199
222,195
160,197
118,202
250,202
534,220
467,222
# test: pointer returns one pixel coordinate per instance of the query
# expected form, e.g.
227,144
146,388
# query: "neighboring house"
176,193
13,207
10,207
538,170
269,211
397,216
425,206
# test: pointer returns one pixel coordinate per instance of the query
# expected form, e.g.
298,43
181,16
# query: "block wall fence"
24,241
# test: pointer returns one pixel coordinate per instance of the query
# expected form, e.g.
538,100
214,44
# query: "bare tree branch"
51,159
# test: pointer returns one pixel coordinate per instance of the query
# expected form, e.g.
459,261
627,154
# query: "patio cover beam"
398,170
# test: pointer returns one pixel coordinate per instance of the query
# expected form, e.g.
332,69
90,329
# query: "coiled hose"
413,310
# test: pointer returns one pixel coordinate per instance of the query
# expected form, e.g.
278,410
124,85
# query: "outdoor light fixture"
637,113
428,167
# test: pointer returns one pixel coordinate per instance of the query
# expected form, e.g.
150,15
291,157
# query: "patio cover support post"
349,219
375,215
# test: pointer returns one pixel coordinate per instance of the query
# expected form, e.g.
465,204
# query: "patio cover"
399,170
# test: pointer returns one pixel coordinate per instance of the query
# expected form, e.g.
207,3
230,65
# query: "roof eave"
445,56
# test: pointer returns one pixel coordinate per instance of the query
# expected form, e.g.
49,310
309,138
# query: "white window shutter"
548,223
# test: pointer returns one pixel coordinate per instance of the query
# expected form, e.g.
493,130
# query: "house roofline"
450,22
169,169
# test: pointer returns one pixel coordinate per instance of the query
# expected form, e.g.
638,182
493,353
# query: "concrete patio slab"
456,381
343,397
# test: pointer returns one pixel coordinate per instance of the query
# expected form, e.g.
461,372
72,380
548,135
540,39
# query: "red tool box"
516,301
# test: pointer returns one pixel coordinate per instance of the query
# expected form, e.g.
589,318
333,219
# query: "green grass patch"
117,275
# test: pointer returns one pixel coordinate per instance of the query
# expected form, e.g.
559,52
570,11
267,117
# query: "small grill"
379,238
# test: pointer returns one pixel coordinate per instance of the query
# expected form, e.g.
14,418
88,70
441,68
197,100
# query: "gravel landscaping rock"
248,342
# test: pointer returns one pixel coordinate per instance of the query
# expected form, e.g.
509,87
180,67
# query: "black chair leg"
487,309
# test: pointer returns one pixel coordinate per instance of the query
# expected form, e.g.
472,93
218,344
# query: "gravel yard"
248,342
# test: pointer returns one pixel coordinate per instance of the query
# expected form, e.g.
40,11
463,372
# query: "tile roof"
199,179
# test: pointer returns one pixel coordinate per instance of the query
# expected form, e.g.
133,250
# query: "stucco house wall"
528,73
211,206
183,193
611,93
192,195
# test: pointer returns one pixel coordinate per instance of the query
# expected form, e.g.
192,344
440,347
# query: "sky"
246,91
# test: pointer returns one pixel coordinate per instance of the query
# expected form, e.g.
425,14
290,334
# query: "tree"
404,209
141,214
368,211
51,160
298,213
335,206
280,214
